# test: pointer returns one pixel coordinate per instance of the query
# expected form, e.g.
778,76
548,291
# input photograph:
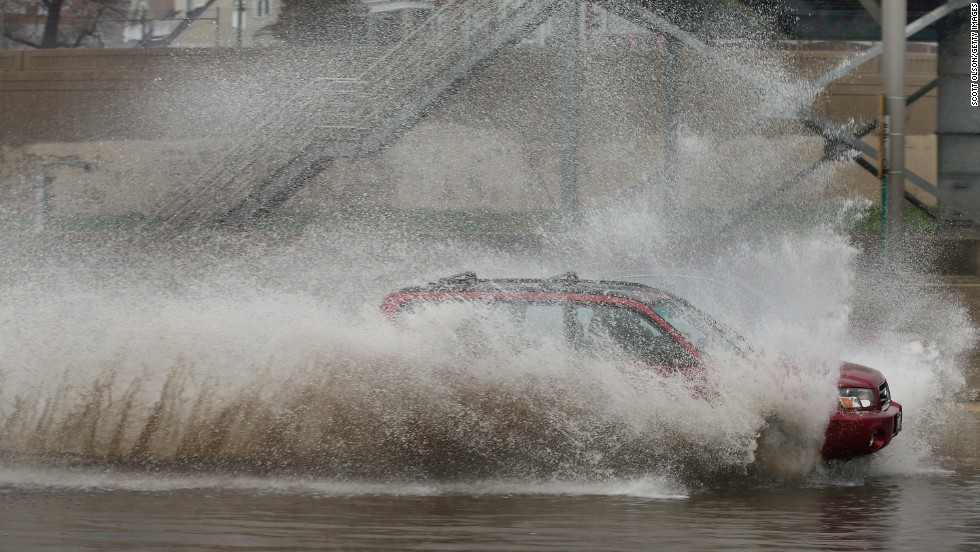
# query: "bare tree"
59,23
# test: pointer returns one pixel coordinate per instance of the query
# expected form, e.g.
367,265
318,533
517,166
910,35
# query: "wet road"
932,508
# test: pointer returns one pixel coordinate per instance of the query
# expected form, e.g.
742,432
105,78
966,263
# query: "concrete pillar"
957,122
893,21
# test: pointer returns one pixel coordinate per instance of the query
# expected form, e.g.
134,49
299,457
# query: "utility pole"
41,181
43,178
894,17
569,108
239,21
671,76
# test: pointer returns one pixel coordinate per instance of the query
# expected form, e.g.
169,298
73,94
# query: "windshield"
698,328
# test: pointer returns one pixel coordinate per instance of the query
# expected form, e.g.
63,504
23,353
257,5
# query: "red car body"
860,431
865,420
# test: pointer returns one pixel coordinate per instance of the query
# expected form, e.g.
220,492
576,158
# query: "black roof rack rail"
468,277
569,277
468,280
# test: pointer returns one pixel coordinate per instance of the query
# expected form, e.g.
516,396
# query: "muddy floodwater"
931,507
147,415
176,377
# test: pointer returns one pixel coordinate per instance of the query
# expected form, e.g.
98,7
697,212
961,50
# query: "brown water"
125,366
929,507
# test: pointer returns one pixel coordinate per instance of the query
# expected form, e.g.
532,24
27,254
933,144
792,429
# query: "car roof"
564,284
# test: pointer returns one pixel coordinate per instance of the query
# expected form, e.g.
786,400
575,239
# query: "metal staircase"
331,117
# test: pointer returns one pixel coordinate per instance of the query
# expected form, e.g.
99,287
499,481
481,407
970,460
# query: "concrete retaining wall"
159,117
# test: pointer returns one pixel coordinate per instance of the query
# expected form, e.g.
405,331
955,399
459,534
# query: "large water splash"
228,376
264,353
273,359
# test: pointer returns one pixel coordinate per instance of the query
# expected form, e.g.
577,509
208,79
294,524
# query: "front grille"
884,395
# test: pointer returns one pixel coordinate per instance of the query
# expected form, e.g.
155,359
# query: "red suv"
656,329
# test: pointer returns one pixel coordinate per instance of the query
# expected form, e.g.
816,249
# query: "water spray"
43,178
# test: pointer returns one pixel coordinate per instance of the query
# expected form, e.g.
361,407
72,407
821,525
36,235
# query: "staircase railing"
343,110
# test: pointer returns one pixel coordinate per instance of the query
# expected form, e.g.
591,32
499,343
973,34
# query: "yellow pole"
882,171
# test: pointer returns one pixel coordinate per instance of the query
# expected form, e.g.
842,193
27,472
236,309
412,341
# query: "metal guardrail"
148,27
444,47
112,32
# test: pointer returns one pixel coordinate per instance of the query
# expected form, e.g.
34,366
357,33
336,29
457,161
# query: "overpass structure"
891,23
362,114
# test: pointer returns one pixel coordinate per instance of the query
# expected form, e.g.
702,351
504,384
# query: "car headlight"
857,397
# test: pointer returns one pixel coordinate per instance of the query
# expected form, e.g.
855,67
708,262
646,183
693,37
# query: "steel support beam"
919,24
644,17
873,8
286,181
913,97
783,187
832,132
922,91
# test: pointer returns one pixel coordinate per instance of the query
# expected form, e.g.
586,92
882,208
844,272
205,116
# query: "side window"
544,321
623,326
633,333
583,317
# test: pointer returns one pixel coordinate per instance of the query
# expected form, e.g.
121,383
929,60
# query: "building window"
263,8
238,15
